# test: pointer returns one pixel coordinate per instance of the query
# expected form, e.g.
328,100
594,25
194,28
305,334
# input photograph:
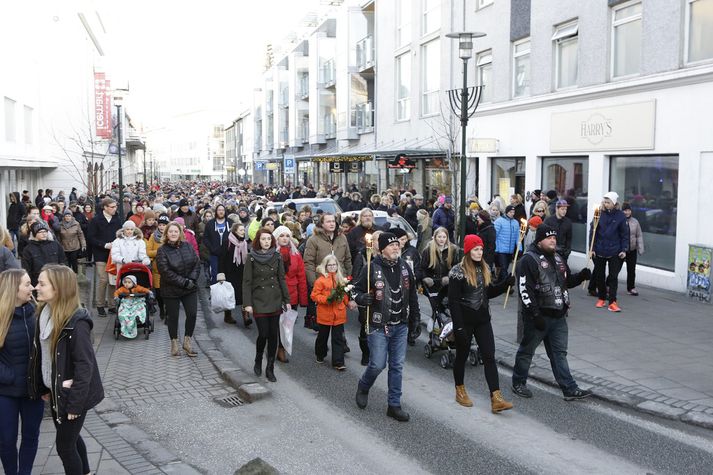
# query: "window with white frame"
521,68
483,3
566,39
430,77
29,139
431,16
700,30
626,39
403,23
484,65
9,106
403,87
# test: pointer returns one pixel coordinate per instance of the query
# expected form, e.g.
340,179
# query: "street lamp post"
118,100
463,103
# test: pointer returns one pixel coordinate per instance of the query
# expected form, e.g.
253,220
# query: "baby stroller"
137,306
440,334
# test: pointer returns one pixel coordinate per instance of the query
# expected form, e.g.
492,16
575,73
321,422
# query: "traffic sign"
289,164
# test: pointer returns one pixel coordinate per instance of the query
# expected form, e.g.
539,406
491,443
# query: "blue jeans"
11,410
382,346
213,269
555,338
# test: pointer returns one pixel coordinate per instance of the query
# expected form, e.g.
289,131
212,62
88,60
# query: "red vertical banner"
102,106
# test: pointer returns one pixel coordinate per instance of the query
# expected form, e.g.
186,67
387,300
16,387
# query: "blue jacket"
445,218
507,233
15,353
612,234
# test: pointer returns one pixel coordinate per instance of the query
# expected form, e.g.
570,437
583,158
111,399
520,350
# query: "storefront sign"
336,167
273,166
625,127
401,161
355,167
289,164
343,158
483,145
102,106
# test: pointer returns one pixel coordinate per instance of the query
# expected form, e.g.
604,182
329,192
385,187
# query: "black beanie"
398,232
544,231
164,219
385,239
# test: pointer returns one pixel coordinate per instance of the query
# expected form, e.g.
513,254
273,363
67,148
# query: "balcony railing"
364,113
283,139
303,87
330,127
284,99
303,132
329,74
365,53
269,105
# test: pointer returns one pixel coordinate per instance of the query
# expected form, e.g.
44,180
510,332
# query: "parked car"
328,205
384,221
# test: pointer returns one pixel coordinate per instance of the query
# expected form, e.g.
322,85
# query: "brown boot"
187,347
498,402
282,356
246,319
228,317
174,348
462,397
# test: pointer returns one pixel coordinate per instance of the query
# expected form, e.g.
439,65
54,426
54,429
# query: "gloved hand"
585,274
444,281
539,322
427,281
190,284
510,280
365,299
411,339
117,300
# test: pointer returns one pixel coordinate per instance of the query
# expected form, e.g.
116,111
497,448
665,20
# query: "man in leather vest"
543,279
393,312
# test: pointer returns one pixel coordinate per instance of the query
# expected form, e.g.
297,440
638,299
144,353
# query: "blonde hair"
6,239
322,269
9,285
181,234
470,270
434,256
64,282
542,204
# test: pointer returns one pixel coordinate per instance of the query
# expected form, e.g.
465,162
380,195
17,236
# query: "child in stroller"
440,332
134,301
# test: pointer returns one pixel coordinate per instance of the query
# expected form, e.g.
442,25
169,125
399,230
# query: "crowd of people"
276,261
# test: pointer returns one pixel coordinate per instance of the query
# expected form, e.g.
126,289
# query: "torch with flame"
523,230
595,224
368,239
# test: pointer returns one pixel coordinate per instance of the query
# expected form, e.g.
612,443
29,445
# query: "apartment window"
483,3
9,120
484,63
430,74
431,16
650,185
700,30
626,40
566,43
29,139
403,23
403,87
568,176
521,68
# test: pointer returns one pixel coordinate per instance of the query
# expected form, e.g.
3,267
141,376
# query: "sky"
181,56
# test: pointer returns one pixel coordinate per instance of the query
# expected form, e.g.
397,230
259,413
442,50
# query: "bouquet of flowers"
342,289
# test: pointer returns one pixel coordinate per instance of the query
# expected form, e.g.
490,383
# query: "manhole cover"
230,401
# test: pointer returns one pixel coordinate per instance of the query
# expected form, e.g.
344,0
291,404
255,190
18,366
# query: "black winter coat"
38,253
233,273
441,268
212,239
15,353
458,287
355,238
564,234
486,231
177,265
100,232
16,213
82,220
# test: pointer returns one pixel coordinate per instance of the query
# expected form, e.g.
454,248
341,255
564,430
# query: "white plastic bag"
287,326
222,297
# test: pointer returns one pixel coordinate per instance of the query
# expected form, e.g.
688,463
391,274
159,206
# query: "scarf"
157,235
241,249
45,323
263,257
286,256
67,225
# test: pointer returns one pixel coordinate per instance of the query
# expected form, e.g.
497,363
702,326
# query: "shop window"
626,40
650,185
700,30
566,39
508,177
568,177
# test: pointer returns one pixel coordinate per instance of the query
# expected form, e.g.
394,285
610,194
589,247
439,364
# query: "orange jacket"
136,290
328,313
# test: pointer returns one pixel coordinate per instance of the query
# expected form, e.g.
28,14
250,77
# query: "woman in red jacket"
294,274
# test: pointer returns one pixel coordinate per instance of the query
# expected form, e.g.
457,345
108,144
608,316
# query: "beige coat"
319,246
71,237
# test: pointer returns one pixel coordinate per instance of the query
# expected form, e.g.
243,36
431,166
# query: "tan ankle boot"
498,402
187,347
462,397
174,348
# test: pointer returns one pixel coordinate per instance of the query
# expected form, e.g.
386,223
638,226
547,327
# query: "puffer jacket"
612,234
636,238
15,353
297,281
329,313
39,253
152,246
100,232
177,264
71,237
129,249
264,285
319,246
507,234
7,260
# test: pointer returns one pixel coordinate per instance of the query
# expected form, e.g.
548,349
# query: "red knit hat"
471,241
535,221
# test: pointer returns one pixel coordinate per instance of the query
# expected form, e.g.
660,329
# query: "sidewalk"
654,356
136,374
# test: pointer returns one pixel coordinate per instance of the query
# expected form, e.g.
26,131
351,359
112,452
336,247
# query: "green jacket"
264,285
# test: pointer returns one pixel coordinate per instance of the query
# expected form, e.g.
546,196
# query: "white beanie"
131,278
129,225
613,196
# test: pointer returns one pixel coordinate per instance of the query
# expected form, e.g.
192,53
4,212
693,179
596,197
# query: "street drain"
230,401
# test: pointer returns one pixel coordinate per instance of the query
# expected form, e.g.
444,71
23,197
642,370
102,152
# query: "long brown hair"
64,282
434,255
9,285
470,269
181,234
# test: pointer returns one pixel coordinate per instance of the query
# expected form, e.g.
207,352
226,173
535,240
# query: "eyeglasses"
539,211
331,265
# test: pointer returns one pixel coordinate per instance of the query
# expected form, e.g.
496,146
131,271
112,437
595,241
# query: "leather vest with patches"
381,313
551,288
473,297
